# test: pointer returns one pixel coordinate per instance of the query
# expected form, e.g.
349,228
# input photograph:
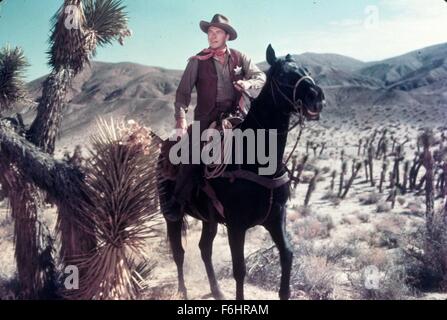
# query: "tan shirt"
254,78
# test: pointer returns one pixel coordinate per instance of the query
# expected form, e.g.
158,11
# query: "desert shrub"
372,257
304,211
383,206
388,232
310,228
350,220
332,197
375,284
415,208
316,276
326,170
424,256
334,252
370,198
327,220
311,273
401,200
363,217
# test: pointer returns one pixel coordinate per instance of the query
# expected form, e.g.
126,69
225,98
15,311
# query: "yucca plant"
75,37
12,85
72,45
121,210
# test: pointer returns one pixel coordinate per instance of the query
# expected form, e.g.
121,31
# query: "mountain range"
407,87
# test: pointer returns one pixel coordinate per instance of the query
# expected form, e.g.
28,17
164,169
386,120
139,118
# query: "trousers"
189,175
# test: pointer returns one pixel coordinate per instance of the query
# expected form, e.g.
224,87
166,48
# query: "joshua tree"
311,188
333,175
359,147
405,182
365,163
111,200
365,147
314,148
323,146
393,190
300,169
91,24
380,143
417,164
427,141
371,164
384,149
398,157
344,166
351,180
382,176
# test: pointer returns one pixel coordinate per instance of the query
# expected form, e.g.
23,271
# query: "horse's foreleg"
175,239
276,228
236,239
209,230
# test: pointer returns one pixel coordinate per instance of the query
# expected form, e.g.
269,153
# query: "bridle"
296,104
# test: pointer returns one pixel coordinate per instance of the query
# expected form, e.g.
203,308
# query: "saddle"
225,121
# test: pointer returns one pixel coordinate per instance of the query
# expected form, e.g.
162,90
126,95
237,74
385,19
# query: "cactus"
311,188
299,170
382,176
323,146
414,171
344,166
380,144
398,157
365,162
354,161
333,175
405,182
314,149
373,137
360,146
427,141
393,191
394,143
371,164
365,147
351,180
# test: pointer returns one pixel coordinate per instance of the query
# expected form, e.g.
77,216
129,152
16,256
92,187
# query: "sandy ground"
325,224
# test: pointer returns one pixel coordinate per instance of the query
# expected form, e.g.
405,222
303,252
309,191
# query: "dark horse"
289,91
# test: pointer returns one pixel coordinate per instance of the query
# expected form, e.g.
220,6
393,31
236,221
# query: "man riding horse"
220,76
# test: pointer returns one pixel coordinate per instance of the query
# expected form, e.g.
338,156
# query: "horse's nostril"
321,105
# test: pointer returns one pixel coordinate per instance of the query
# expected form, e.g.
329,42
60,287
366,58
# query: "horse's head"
295,86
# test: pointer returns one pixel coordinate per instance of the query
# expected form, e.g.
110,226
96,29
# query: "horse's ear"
271,55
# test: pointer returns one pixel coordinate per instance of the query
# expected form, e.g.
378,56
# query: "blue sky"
166,32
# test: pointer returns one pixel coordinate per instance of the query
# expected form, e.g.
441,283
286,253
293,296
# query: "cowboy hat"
220,22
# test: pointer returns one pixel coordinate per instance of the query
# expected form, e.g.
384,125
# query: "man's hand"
182,124
241,85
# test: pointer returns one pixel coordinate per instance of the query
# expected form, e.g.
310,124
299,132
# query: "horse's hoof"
218,295
284,295
181,295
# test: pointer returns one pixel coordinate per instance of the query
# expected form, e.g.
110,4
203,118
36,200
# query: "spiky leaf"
12,84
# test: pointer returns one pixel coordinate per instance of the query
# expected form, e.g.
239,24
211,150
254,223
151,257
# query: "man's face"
217,38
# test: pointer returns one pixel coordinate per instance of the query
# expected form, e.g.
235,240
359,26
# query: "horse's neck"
265,114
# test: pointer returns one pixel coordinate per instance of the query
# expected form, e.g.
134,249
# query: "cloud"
346,22
388,29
